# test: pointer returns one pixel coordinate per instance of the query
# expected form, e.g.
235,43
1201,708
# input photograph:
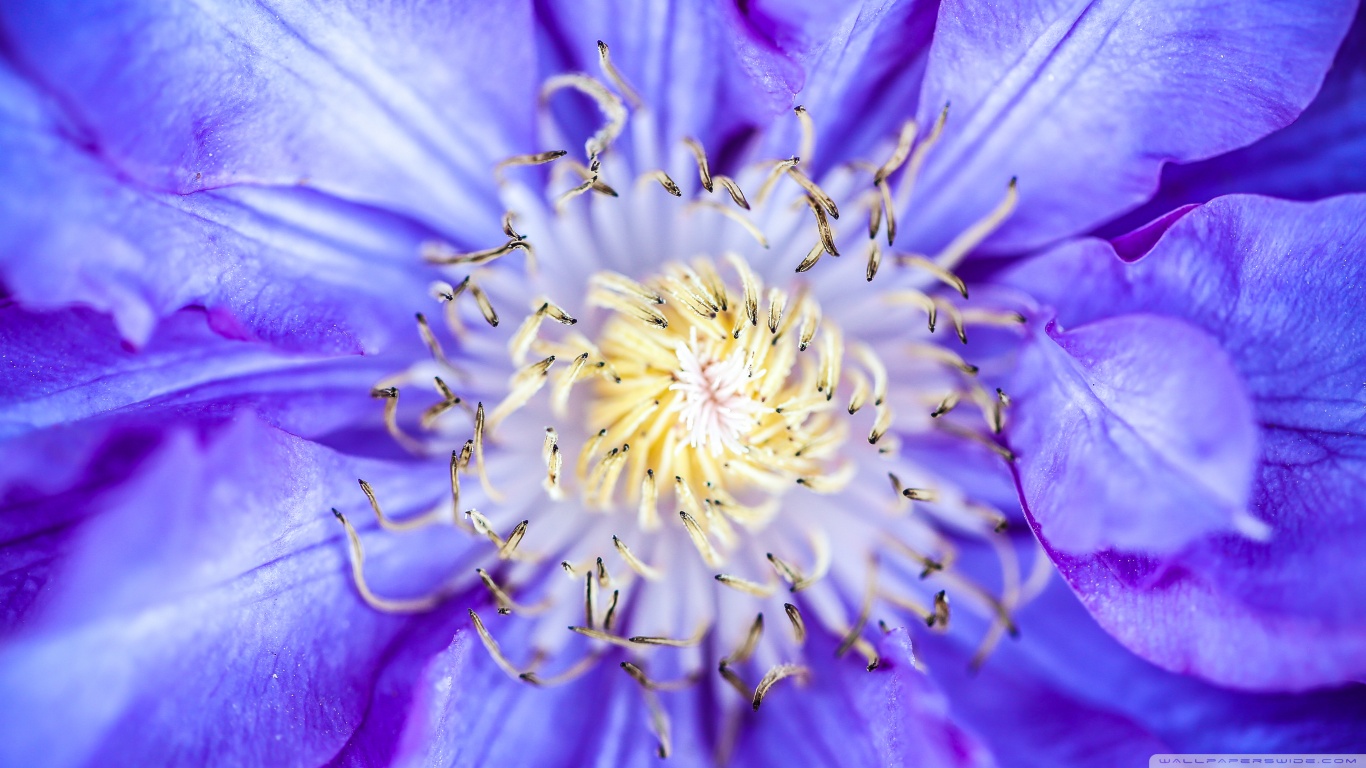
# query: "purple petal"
202,614
1124,417
468,711
71,230
1323,153
1085,102
696,64
372,104
77,371
863,64
893,715
1278,285
1106,707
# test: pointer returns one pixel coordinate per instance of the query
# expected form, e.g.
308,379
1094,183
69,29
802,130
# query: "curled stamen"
429,339
639,676
730,676
955,317
649,494
888,210
513,539
919,299
902,151
485,306
614,75
941,611
826,234
976,316
538,158
384,604
881,424
865,609
700,541
939,272
973,236
734,190
798,625
504,601
746,649
745,585
789,573
635,563
813,256
808,145
777,673
874,261
478,450
941,355
920,494
414,523
611,105
735,216
666,182
703,167
436,252
525,384
606,637
492,646
581,667
390,397
687,642
659,720
779,169
826,201
947,404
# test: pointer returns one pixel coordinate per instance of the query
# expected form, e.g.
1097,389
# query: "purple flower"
629,484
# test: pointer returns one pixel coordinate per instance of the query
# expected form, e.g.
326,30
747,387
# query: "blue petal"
72,230
202,614
893,715
78,375
378,104
1066,693
1321,154
1122,417
468,711
1083,102
1279,285
863,64
696,64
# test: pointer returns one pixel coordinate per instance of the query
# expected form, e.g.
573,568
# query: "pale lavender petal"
1084,102
1278,284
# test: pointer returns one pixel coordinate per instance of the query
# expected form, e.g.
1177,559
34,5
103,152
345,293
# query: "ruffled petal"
893,715
1084,102
73,231
79,377
697,65
1278,285
1066,693
202,613
373,104
1124,416
1321,154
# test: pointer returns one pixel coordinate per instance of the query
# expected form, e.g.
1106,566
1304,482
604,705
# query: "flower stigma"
656,464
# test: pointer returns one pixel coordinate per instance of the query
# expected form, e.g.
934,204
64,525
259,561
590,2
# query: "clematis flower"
441,385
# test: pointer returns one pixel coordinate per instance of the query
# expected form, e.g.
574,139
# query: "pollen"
733,408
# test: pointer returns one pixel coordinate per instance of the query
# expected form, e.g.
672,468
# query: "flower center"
719,398
700,401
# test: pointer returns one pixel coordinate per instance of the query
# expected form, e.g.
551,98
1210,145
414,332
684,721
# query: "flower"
645,489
